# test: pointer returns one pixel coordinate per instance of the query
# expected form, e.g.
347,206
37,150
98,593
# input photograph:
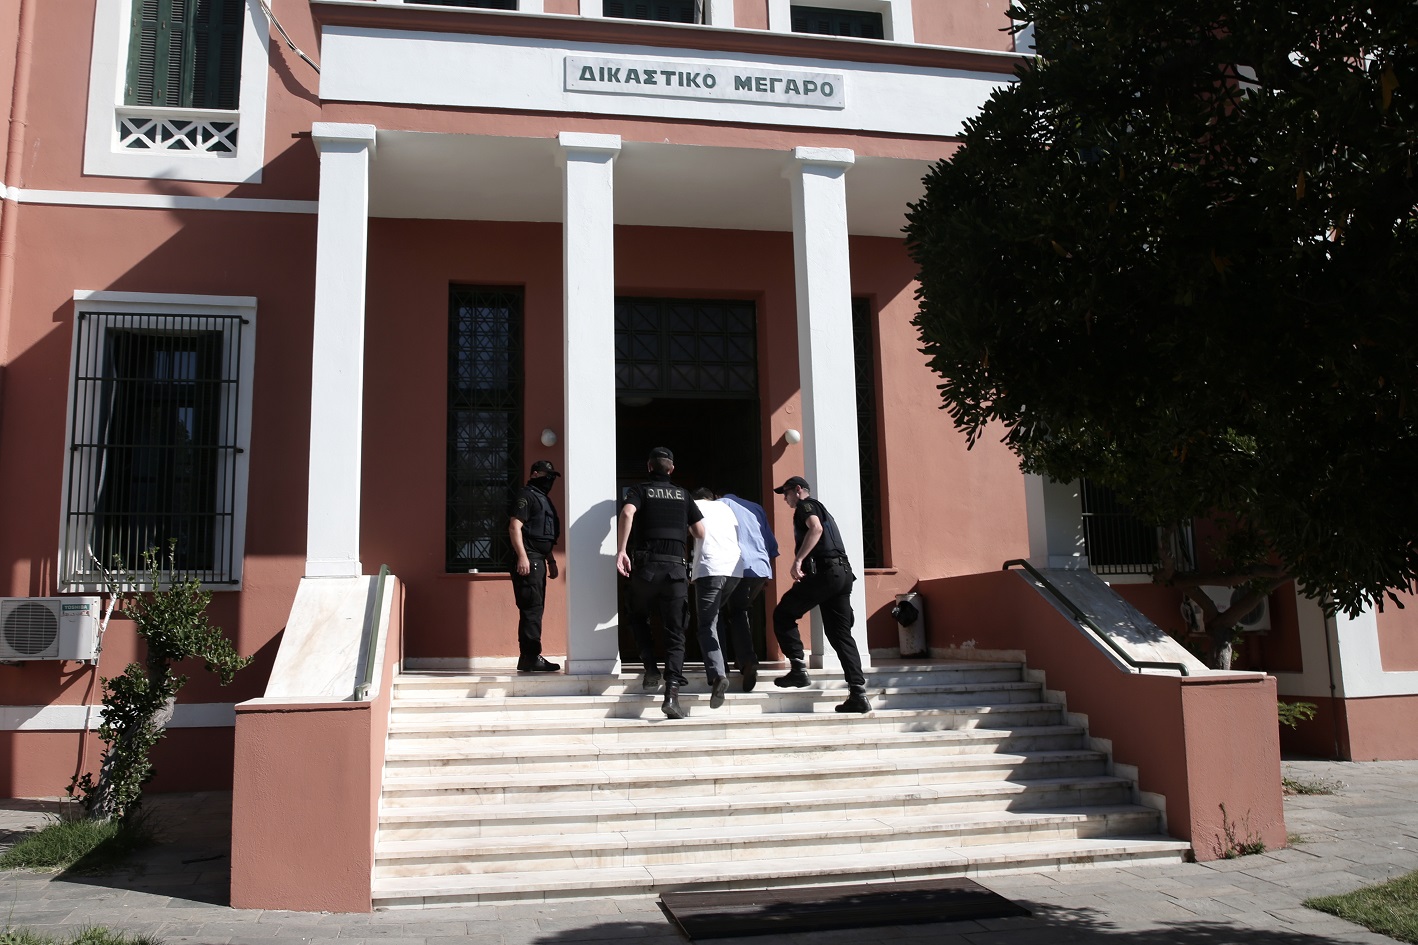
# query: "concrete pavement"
1364,833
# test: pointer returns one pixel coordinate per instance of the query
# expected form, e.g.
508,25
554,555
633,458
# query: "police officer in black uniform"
655,518
822,578
534,527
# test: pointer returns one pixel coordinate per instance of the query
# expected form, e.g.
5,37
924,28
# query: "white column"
337,357
825,363
588,307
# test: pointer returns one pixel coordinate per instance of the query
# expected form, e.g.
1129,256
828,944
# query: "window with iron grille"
869,456
1116,541
484,424
159,418
185,53
830,22
476,4
665,11
686,348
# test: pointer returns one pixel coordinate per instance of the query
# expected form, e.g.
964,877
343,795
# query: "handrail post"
371,637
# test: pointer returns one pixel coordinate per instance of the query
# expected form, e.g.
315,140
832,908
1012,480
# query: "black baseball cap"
662,452
793,481
544,467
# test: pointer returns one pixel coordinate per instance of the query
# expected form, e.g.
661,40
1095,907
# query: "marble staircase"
508,788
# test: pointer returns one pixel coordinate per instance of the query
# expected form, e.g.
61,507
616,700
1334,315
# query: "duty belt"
656,558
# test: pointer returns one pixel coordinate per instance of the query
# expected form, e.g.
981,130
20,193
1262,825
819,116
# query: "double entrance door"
687,379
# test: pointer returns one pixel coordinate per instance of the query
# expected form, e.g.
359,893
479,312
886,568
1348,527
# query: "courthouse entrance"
687,378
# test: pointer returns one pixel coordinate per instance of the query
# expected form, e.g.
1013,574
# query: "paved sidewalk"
1365,833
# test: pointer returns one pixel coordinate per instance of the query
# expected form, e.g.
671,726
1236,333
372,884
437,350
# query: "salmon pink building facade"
299,288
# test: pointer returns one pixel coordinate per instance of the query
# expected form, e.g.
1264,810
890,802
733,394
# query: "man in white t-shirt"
717,568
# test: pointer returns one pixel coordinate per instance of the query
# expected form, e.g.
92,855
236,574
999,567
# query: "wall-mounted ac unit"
48,628
1257,619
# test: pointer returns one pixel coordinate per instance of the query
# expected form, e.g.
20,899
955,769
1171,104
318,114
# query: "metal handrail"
1087,621
371,637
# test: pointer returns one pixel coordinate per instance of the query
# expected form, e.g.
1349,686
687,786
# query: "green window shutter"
155,52
185,53
216,36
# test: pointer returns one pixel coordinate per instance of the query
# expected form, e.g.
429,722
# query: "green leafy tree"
1179,257
171,618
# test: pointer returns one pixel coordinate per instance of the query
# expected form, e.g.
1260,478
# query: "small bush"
1293,713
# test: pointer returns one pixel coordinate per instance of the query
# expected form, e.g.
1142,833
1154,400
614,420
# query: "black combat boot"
671,706
650,682
856,702
796,678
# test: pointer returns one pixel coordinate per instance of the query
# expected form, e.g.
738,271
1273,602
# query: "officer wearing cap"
822,578
534,527
655,518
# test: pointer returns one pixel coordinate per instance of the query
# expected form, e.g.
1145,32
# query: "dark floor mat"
730,914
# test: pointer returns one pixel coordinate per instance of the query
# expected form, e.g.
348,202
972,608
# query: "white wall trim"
77,718
109,199
1361,660
896,18
106,80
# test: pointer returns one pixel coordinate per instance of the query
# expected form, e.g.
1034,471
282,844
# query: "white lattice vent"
185,133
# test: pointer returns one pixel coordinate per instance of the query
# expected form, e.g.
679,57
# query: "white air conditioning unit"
1257,619
48,628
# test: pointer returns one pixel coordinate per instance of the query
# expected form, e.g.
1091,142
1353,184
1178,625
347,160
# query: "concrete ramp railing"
310,755
1202,740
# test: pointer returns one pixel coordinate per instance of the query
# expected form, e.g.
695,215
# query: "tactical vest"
830,544
661,519
542,527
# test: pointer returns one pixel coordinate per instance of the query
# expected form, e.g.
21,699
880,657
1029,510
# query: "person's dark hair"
704,493
661,465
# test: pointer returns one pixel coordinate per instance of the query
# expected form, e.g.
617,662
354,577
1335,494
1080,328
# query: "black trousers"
737,638
660,587
530,591
830,591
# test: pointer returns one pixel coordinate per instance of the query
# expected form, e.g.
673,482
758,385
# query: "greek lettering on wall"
710,81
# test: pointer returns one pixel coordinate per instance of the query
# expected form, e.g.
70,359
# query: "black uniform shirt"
829,544
541,526
637,496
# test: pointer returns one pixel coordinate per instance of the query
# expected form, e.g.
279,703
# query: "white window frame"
105,157
895,15
161,307
523,6
717,12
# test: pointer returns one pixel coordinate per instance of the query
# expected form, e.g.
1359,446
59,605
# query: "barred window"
185,53
869,456
665,11
484,424
477,4
159,418
1116,541
832,22
686,347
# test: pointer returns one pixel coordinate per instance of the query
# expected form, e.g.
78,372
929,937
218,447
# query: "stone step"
445,856
481,685
442,755
780,776
709,874
785,711
759,701
595,810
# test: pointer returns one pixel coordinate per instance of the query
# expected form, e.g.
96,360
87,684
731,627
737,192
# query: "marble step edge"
914,825
597,882
701,689
796,770
909,669
943,792
566,724
411,750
